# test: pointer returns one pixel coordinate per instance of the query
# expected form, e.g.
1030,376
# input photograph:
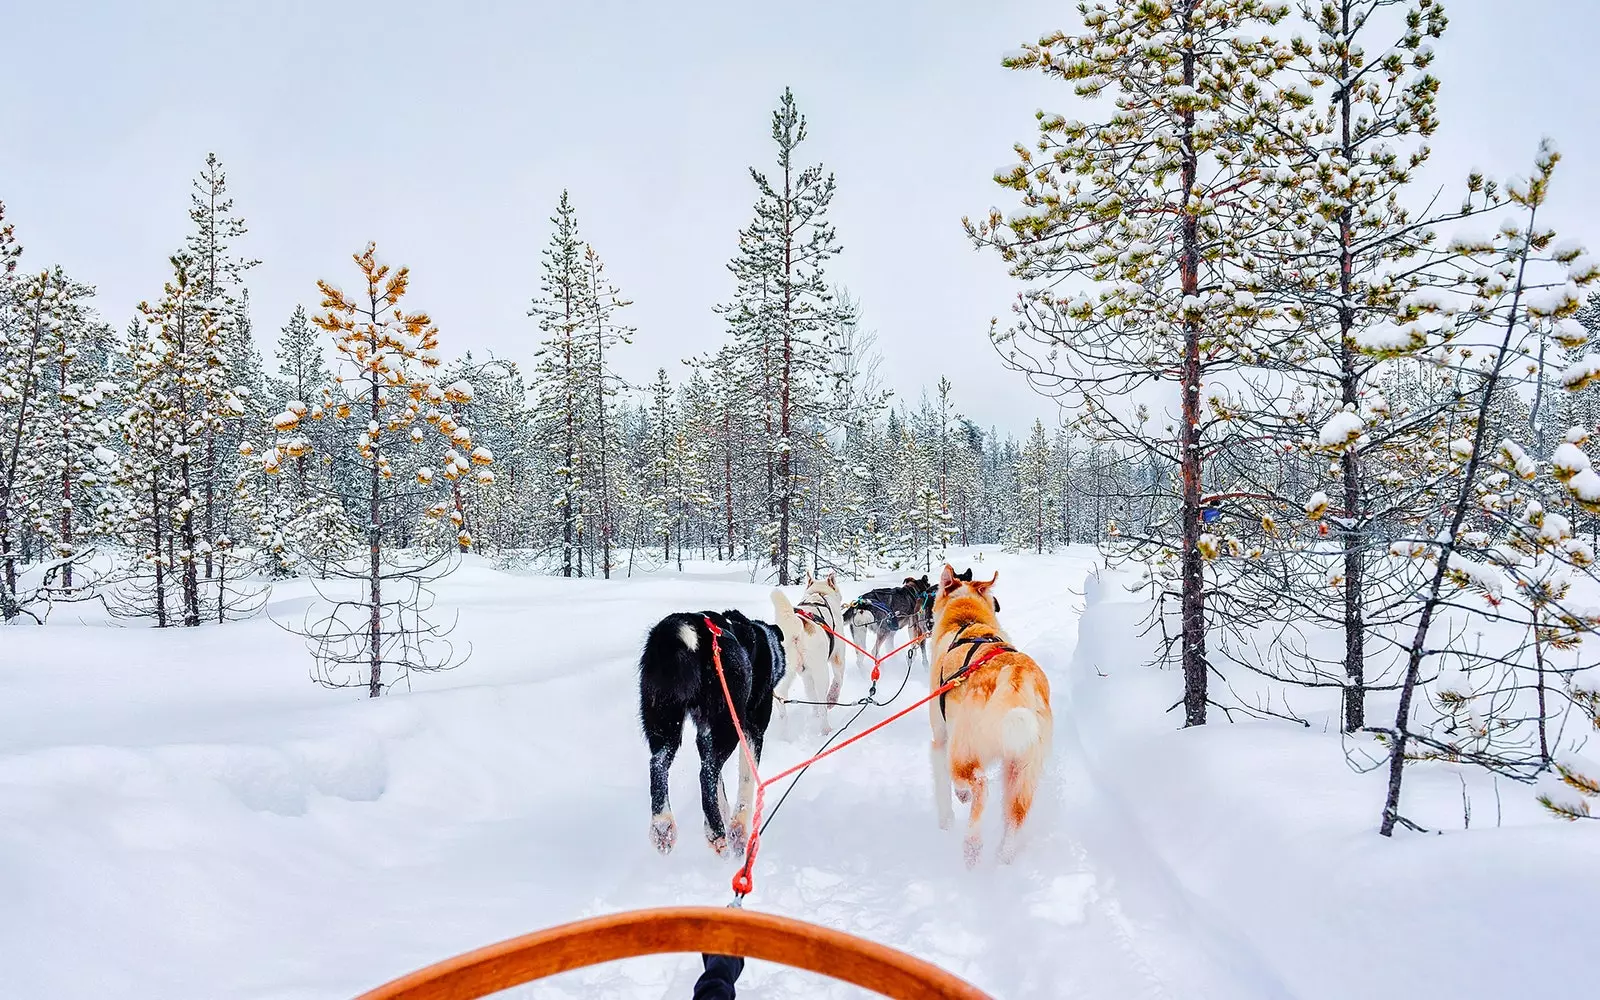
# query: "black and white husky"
883,612
677,679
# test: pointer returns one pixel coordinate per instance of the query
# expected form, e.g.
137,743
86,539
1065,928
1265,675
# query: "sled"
702,929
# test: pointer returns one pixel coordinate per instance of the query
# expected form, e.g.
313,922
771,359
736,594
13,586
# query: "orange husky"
998,713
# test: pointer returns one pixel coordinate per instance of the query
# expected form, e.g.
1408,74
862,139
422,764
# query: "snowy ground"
184,815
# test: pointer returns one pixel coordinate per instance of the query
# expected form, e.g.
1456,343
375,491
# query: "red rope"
877,661
742,882
743,879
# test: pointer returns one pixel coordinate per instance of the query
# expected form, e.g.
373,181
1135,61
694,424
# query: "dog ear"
808,580
983,586
833,580
947,579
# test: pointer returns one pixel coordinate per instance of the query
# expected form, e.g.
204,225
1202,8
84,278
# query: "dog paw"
1007,852
945,819
737,838
719,845
833,693
664,834
963,795
971,850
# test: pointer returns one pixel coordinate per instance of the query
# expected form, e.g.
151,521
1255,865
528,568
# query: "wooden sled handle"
708,929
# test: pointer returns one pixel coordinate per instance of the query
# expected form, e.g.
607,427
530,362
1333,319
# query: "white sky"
447,131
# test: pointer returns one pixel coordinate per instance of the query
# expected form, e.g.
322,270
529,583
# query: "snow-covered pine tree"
392,391
47,434
784,310
858,398
731,440
29,314
140,519
1035,527
562,377
604,333
218,275
303,379
67,442
189,335
1157,205
1062,451
1352,131
1494,537
662,422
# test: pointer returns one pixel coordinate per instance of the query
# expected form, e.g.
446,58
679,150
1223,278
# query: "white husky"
811,652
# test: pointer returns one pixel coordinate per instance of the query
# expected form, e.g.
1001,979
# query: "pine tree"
784,310
189,336
31,308
1522,281
604,333
395,356
561,373
1351,154
1035,507
1157,205
304,379
143,478
236,370
66,487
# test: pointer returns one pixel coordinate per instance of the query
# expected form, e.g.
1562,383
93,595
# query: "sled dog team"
998,715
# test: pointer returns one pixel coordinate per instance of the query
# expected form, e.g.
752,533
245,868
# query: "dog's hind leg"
1021,781
712,796
664,733
814,694
780,696
968,773
739,826
858,635
836,667
939,760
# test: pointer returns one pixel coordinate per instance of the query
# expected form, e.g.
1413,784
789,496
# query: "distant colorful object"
1209,514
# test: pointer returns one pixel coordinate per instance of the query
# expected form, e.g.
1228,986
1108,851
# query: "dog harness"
822,606
974,659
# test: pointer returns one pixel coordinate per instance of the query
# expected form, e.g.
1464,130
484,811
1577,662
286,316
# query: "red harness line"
743,882
877,661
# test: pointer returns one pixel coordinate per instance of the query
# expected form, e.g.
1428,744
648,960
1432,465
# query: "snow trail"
250,835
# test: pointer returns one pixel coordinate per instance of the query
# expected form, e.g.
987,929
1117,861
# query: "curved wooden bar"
708,929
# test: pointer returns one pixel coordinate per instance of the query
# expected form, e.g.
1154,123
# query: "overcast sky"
446,132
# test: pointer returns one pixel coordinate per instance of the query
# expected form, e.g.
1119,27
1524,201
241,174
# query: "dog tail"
1020,735
669,668
788,621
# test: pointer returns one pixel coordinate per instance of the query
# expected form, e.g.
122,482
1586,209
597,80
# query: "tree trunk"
188,571
1401,734
786,458
8,490
66,469
374,538
1193,591
1355,706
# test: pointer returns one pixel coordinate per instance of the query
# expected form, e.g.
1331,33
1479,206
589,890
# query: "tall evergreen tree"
1157,205
218,273
561,383
784,310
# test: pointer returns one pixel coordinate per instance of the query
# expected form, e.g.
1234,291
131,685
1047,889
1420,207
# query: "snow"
184,815
1382,337
1582,372
1342,429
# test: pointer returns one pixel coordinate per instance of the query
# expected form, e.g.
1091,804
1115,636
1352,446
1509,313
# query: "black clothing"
716,983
